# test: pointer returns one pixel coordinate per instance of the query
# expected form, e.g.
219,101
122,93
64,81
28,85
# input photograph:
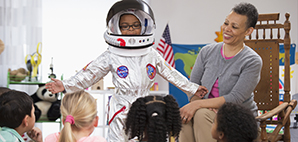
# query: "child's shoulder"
52,137
10,135
92,139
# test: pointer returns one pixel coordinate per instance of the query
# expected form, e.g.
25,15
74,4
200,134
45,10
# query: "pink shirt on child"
215,91
55,137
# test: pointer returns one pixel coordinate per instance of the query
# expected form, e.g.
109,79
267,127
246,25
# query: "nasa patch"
151,71
122,71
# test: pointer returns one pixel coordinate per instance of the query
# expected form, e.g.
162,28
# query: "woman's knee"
203,115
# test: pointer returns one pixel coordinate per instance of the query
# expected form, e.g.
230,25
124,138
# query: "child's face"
31,120
215,134
130,25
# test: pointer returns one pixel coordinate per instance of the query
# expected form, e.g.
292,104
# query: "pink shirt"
215,91
55,137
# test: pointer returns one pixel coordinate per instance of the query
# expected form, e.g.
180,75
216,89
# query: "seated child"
17,117
153,119
79,115
234,123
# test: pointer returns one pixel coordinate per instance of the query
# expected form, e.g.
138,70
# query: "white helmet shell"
143,12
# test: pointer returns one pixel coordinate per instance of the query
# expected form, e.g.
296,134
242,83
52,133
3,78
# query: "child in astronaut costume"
132,61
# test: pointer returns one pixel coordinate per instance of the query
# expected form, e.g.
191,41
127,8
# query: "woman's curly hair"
156,117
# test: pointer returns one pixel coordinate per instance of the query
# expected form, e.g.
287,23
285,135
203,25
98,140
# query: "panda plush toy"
46,104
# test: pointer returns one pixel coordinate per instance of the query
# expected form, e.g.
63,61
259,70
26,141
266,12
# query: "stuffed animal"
47,105
18,75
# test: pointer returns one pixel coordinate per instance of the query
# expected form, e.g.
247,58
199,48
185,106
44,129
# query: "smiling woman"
235,28
230,70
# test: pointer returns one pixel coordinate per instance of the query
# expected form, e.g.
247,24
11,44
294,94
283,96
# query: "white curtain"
20,30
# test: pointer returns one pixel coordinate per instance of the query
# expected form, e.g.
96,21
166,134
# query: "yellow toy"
33,61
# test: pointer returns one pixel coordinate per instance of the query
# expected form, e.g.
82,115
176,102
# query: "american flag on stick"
165,47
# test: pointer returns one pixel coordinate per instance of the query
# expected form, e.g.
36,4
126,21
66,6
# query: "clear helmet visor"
147,23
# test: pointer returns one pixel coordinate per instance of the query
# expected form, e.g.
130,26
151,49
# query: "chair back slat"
267,91
266,17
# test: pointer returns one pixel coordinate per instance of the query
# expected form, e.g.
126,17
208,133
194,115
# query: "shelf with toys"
21,80
47,105
29,76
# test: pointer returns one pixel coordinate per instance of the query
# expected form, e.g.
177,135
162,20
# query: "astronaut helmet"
142,11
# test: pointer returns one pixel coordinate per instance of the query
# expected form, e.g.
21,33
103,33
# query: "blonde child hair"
80,106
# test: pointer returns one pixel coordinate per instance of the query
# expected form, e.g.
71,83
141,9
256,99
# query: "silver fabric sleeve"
175,77
89,75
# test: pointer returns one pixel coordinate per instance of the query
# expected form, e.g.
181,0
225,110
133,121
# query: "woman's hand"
193,98
213,109
188,111
201,92
35,134
56,86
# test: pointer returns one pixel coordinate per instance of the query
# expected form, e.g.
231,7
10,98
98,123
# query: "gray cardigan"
237,77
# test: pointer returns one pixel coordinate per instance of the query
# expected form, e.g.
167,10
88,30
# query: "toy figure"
132,61
52,75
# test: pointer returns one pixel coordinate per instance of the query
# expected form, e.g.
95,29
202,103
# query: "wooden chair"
267,91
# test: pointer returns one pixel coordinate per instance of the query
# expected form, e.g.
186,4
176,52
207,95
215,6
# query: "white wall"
72,34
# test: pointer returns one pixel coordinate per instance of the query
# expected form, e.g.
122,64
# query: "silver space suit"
133,63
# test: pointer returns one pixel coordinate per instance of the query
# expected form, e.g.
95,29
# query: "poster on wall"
185,57
293,73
